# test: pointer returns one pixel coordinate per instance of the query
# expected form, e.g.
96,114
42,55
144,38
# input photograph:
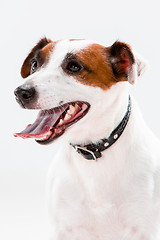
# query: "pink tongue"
44,122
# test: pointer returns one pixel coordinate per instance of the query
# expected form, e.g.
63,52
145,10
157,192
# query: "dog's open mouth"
52,123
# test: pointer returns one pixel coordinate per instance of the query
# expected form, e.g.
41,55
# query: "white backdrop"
24,163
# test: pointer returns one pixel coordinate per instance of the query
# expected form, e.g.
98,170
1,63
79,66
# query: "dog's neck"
94,151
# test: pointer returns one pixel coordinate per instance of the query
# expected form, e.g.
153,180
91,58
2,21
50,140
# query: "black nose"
24,94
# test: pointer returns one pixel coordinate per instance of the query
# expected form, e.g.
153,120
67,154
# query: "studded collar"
94,151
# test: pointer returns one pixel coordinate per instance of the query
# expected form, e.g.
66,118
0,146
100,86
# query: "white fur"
118,196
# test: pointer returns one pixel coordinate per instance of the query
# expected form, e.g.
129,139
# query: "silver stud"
115,136
106,144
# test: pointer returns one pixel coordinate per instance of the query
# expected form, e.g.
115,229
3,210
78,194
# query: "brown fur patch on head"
102,67
97,71
40,52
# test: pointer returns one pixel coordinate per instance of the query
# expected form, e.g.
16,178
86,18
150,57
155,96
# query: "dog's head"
66,79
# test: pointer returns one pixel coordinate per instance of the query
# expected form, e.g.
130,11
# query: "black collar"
93,151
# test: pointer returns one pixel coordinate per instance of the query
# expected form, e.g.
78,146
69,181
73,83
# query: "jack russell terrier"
104,181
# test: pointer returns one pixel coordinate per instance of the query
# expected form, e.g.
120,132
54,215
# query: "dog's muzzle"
25,95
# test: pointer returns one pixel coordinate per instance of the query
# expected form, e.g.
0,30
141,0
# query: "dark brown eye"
73,67
34,65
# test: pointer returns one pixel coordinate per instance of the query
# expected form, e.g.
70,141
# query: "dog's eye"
73,67
34,65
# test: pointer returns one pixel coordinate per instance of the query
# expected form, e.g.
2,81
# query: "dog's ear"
125,65
26,67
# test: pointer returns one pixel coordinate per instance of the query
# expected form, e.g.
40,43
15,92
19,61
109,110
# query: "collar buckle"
88,154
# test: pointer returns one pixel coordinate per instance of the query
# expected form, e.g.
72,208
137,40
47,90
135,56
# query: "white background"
24,163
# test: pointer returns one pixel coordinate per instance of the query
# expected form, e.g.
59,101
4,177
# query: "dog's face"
66,79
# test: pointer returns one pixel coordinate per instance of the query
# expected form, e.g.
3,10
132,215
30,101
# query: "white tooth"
67,116
76,106
61,122
71,109
49,134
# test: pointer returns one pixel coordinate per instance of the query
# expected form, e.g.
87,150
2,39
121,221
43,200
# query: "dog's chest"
89,197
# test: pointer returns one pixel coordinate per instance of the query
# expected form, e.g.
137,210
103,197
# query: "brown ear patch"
40,52
122,59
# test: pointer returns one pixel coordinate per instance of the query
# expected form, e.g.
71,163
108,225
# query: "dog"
104,181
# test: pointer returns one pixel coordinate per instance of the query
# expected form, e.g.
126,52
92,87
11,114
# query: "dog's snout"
24,94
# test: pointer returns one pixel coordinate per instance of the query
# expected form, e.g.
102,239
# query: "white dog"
104,182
